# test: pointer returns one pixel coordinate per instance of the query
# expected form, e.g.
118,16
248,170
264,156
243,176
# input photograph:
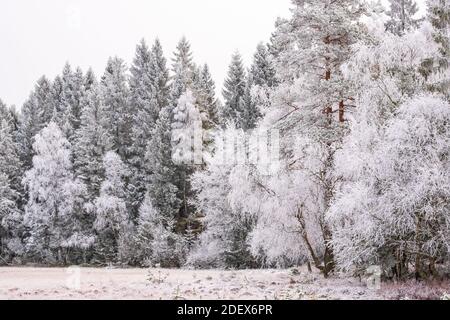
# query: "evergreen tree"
10,193
117,112
401,15
92,141
234,92
439,17
183,69
160,75
35,115
162,188
262,72
54,215
156,239
145,110
113,221
208,105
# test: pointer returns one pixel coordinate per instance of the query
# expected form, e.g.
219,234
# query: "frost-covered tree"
160,75
118,113
92,142
392,146
113,221
309,110
145,107
208,105
439,66
68,100
57,224
10,198
158,243
262,72
186,131
402,16
35,114
10,221
396,213
234,93
224,242
183,69
162,188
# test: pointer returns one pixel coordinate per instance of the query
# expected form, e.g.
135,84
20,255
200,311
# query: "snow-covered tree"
68,110
262,71
208,105
92,141
186,131
402,16
183,69
392,137
35,114
160,75
145,107
10,197
439,66
396,213
157,241
224,242
234,92
57,224
113,221
117,112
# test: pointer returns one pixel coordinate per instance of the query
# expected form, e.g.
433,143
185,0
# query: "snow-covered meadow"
165,284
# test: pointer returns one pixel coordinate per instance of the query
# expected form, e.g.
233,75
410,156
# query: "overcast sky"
38,36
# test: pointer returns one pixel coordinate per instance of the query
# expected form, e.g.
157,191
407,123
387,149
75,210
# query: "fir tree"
234,92
183,69
401,15
113,221
117,112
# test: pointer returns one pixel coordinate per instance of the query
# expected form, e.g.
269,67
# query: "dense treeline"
105,171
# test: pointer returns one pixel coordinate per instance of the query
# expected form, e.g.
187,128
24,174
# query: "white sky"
37,37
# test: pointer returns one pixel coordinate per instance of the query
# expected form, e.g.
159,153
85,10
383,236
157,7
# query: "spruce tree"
92,142
113,221
160,75
234,92
117,112
401,15
183,69
162,187
145,107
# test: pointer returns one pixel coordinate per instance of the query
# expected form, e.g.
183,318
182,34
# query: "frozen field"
155,284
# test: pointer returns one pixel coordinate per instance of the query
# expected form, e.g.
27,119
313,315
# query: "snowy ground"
155,284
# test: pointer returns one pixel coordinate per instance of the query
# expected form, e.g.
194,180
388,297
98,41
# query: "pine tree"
113,221
92,142
10,192
234,92
160,75
401,15
439,17
54,214
158,244
262,72
35,114
205,92
183,69
162,188
145,110
9,156
117,113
